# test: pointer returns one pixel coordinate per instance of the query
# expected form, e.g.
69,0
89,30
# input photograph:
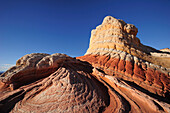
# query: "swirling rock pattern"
147,75
129,66
64,85
117,74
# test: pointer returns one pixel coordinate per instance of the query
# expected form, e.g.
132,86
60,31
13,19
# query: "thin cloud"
4,67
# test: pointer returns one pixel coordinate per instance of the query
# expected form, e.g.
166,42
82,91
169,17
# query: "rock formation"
117,74
51,83
165,50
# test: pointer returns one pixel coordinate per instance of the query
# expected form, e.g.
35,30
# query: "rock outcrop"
115,34
117,74
51,83
165,50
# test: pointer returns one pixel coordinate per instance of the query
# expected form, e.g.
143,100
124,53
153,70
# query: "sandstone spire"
116,35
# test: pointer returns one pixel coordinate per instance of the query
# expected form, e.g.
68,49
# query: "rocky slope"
117,74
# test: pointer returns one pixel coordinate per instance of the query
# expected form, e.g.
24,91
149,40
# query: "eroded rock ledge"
118,74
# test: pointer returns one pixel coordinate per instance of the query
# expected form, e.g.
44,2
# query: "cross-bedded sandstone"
117,74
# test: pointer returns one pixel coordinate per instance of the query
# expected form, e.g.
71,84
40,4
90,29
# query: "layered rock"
51,83
117,74
115,50
165,50
115,34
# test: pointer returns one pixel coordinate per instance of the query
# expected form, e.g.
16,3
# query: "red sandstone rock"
119,78
69,87
135,73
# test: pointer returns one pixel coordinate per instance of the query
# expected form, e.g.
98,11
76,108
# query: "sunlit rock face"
114,34
165,50
117,74
118,53
51,83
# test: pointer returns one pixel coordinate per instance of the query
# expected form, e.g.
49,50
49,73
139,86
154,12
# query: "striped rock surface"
115,51
117,74
115,34
42,83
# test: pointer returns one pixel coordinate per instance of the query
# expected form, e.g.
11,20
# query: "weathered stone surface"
30,67
118,74
153,79
165,50
51,83
116,51
115,34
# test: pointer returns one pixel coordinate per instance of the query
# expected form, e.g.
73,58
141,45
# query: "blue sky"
64,26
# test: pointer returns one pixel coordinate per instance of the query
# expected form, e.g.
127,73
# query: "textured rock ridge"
117,74
51,83
115,50
151,77
30,67
165,50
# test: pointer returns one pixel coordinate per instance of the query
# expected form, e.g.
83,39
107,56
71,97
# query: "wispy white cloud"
4,67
